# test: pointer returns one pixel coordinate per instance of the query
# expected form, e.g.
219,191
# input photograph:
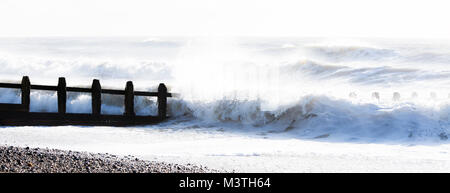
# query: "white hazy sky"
348,18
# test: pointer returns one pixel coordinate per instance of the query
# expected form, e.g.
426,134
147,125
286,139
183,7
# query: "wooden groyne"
20,115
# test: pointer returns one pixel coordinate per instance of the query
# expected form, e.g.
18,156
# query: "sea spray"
296,86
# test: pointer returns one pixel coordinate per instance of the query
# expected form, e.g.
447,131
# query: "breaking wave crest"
324,117
312,116
279,88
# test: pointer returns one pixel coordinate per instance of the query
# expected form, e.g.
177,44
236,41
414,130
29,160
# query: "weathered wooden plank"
111,91
80,89
10,85
76,89
143,93
56,119
13,107
44,87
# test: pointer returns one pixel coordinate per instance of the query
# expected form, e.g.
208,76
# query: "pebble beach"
44,160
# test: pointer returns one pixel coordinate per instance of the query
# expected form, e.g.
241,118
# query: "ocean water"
242,101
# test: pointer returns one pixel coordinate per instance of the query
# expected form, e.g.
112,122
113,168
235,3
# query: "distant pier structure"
20,115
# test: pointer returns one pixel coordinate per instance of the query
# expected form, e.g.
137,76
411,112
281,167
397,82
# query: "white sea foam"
254,105
298,87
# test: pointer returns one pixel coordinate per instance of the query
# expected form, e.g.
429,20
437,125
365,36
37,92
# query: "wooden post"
396,96
162,101
96,97
376,95
26,88
129,99
62,95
